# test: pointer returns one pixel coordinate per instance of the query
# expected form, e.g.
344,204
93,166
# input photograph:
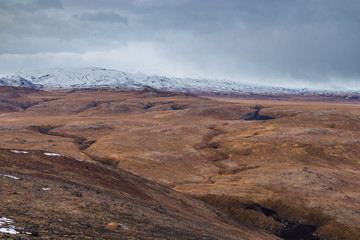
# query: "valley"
297,156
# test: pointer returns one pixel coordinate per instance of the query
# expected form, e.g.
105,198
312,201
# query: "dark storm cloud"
280,41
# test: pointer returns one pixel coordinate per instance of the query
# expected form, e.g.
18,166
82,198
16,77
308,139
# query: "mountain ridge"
101,77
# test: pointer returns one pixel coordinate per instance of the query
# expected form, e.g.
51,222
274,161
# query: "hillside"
268,161
49,196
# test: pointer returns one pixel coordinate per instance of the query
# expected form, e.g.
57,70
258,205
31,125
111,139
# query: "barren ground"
298,156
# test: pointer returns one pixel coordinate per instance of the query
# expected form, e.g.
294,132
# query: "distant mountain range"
99,77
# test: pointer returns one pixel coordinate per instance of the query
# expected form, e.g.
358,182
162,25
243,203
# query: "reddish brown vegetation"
306,152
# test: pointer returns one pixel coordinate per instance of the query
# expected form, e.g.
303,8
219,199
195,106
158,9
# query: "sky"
290,43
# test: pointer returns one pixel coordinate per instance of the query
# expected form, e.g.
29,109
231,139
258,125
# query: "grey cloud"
56,4
109,17
30,5
303,40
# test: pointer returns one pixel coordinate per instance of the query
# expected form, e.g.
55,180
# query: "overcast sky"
299,43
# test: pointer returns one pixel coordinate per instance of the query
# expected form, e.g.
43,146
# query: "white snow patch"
4,220
18,152
9,176
46,189
52,154
9,228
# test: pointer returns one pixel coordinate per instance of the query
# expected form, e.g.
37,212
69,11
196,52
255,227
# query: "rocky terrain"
284,164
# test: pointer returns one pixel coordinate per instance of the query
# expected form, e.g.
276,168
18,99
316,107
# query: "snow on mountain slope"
16,81
98,77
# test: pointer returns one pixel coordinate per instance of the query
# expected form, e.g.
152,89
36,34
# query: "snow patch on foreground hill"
98,77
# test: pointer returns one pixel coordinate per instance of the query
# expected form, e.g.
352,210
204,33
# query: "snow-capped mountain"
16,81
98,77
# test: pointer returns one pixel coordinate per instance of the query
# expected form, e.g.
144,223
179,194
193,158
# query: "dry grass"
201,145
58,197
327,226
